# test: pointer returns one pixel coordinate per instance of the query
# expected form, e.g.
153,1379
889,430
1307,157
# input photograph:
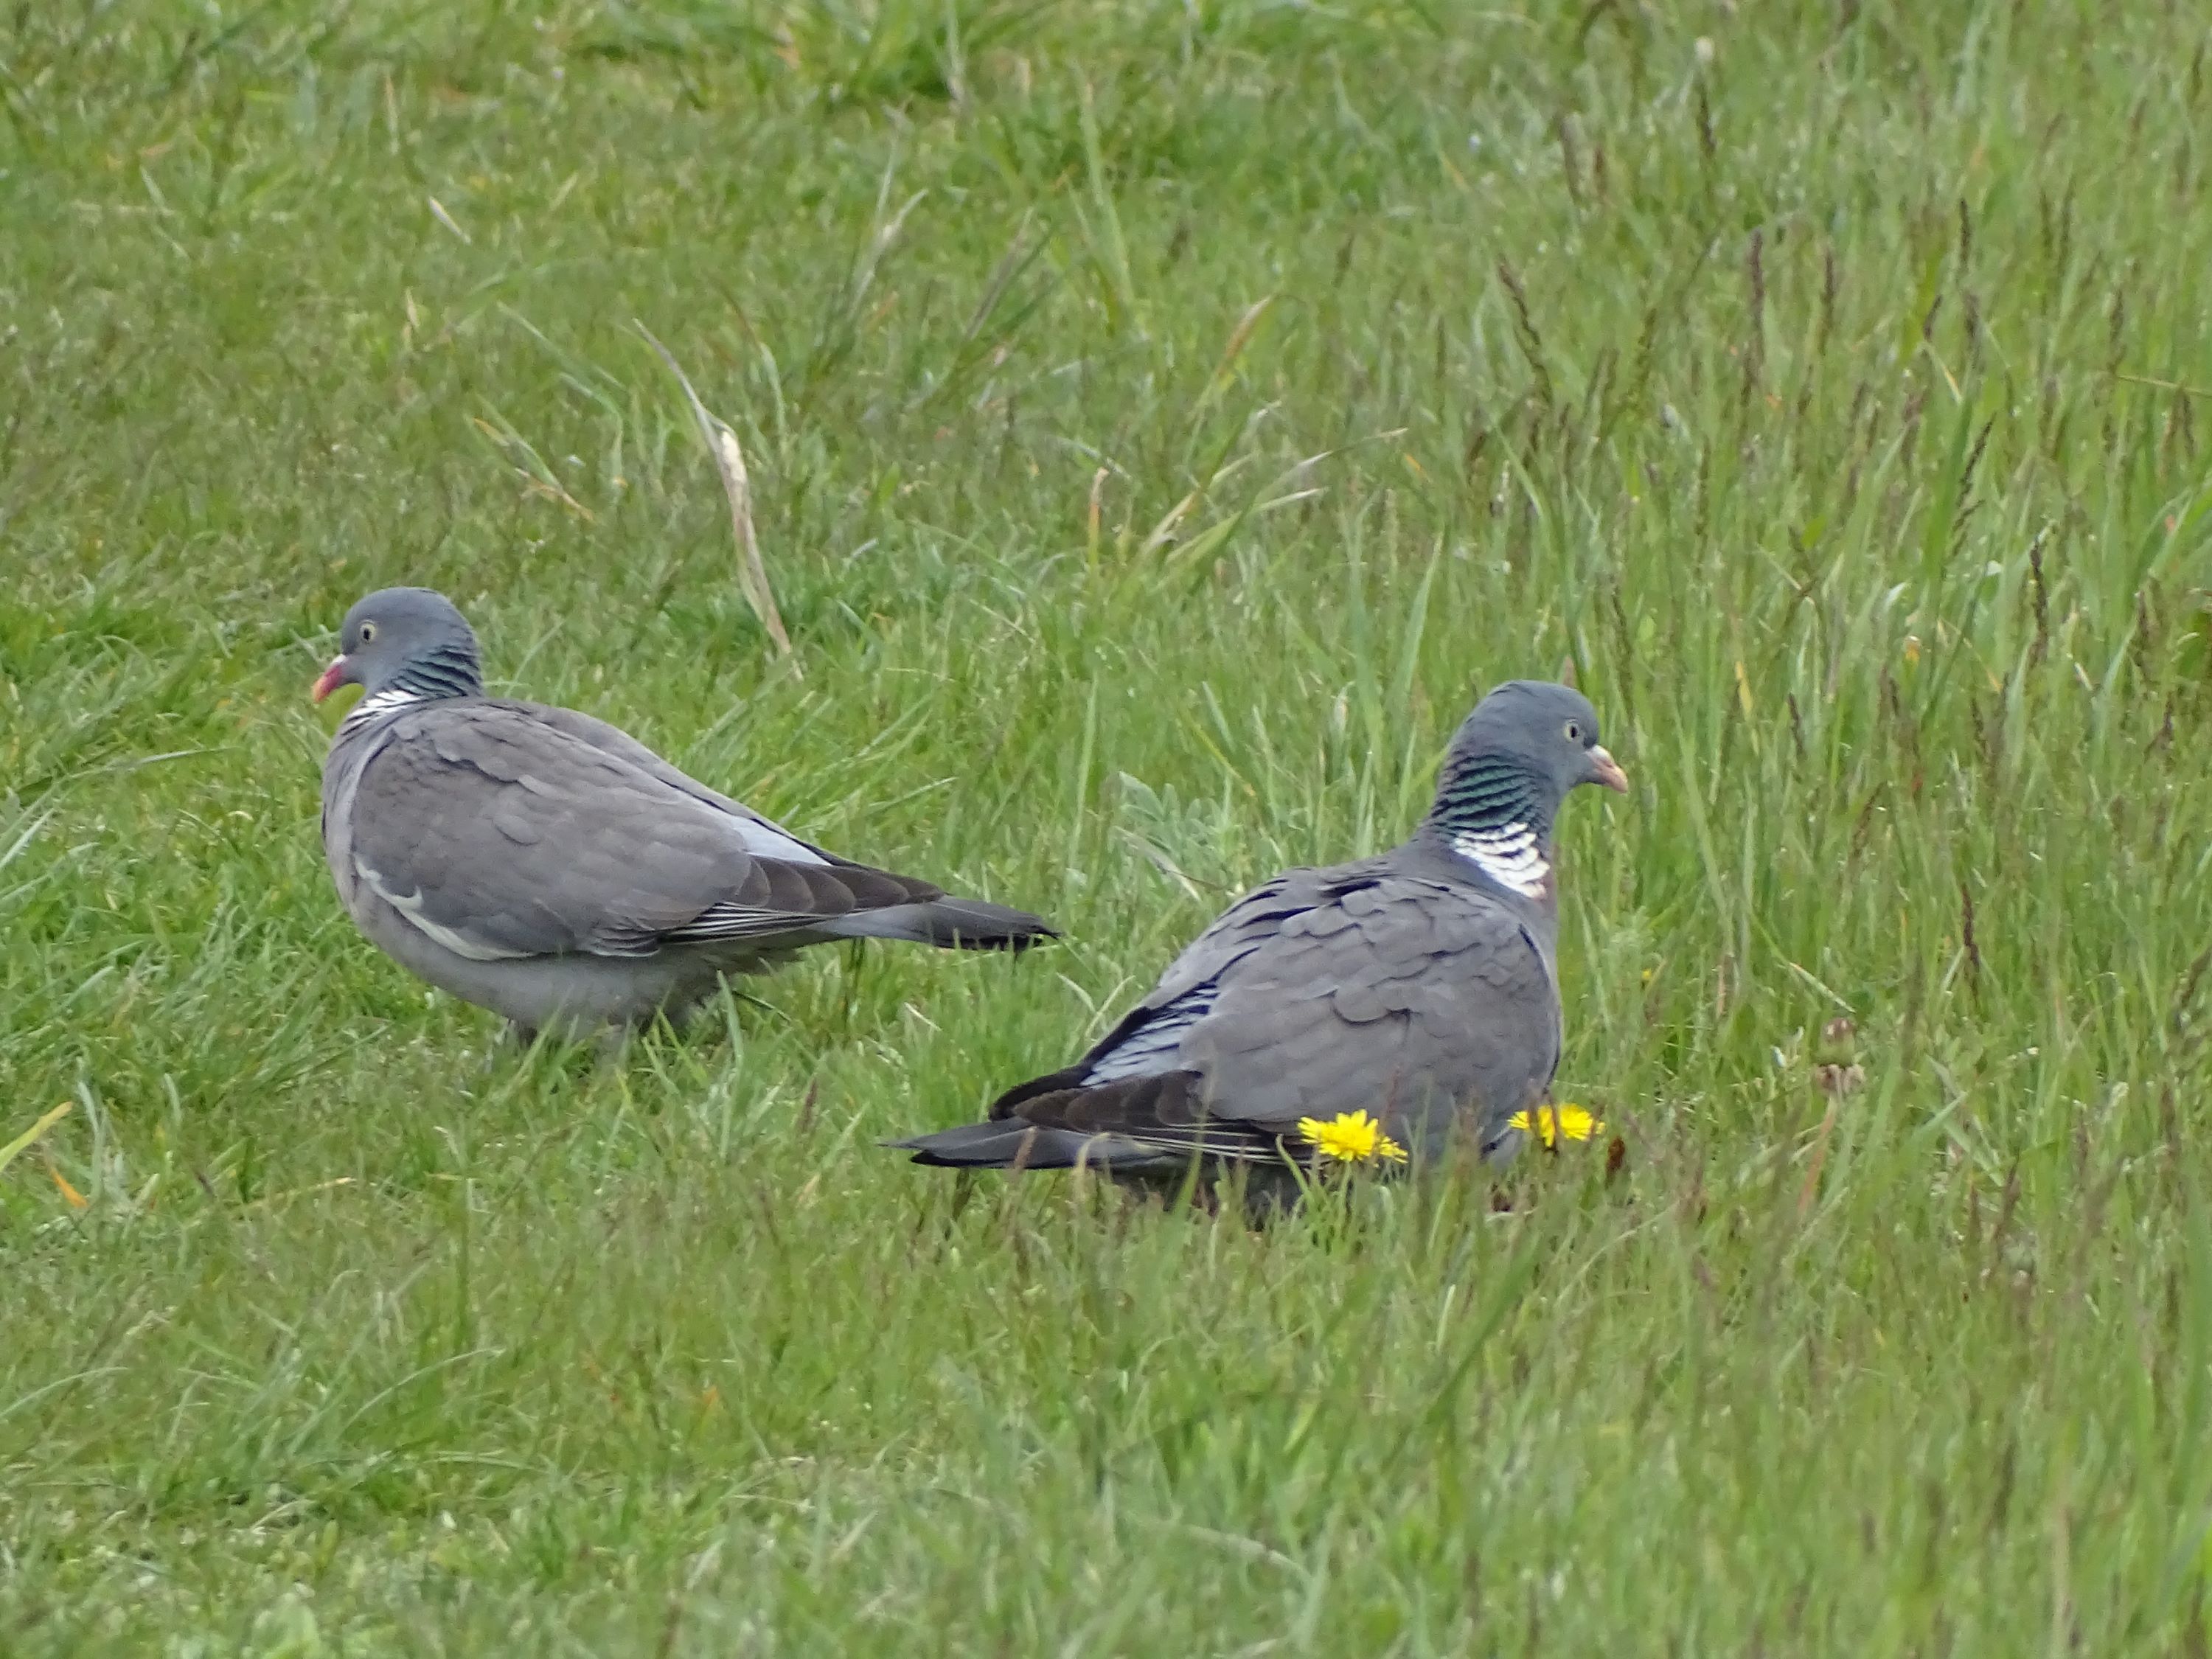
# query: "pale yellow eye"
367,632
1574,731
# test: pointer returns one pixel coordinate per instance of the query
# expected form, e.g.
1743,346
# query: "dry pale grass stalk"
730,461
33,1136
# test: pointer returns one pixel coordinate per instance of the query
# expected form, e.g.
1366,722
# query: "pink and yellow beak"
1603,769
330,679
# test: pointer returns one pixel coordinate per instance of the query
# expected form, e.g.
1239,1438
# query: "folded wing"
1361,988
499,835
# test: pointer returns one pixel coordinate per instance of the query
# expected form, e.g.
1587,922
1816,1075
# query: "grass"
1163,418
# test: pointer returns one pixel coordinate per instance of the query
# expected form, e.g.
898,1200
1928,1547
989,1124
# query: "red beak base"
330,679
1608,770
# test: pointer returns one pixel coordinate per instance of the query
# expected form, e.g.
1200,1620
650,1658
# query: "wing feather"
501,834
1364,987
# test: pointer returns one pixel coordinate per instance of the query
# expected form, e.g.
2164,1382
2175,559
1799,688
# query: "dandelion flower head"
1553,1124
1350,1138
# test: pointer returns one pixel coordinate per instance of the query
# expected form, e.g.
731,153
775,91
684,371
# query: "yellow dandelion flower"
1350,1138
1553,1124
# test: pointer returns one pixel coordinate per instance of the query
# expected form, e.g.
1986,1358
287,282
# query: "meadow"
1164,418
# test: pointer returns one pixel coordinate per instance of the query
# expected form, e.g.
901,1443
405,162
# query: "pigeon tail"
1149,1126
954,923
1013,1144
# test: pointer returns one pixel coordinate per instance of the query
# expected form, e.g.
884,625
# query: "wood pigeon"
547,866
1367,1012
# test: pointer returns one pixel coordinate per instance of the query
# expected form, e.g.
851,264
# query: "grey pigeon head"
1513,761
410,639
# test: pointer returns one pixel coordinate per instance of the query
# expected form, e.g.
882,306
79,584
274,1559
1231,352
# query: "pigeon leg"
512,1042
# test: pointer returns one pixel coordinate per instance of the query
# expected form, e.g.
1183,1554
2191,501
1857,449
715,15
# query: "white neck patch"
378,703
1509,855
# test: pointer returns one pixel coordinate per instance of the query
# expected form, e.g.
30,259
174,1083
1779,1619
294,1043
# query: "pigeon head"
407,640
1545,733
1509,766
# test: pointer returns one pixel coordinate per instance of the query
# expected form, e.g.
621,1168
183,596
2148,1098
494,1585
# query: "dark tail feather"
953,923
1011,1144
1052,1083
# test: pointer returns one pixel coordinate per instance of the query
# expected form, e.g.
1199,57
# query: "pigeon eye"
367,632
1574,731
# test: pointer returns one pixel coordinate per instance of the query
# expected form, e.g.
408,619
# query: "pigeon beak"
1606,770
330,679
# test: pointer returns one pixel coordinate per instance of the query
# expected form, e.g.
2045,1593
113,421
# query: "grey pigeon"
1419,988
547,866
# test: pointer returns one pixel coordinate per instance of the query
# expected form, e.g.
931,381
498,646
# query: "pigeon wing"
1325,992
764,835
499,835
1144,1041
1410,998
